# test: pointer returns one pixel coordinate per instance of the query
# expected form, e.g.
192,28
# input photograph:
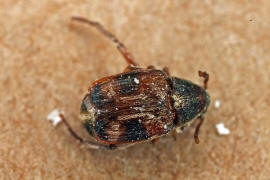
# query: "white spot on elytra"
151,116
137,81
221,129
165,126
138,108
54,116
217,104
98,111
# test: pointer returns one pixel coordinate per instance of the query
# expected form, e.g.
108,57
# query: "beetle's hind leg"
120,46
87,144
166,70
196,133
205,75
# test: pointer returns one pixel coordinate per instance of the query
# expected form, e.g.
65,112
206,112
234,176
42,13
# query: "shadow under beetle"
139,104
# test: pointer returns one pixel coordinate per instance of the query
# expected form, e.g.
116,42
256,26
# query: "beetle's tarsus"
120,46
204,75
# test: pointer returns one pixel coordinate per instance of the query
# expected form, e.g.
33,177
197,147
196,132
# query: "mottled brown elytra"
138,105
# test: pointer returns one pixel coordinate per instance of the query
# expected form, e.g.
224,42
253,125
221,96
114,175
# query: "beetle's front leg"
130,68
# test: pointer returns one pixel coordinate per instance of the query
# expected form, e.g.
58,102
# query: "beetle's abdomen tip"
190,100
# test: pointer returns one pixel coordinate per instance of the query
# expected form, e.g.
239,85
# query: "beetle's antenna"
70,129
120,46
196,133
205,75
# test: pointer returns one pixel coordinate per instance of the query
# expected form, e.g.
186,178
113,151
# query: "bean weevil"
139,104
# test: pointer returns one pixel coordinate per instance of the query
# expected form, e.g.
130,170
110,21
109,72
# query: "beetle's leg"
166,70
196,133
130,68
87,144
154,141
174,135
120,46
205,75
151,67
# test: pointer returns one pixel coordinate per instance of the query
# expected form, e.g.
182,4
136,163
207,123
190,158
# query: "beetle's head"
87,114
189,100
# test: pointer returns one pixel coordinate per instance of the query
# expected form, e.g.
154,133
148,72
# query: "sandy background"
48,62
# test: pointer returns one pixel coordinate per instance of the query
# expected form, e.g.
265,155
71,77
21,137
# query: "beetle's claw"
204,75
197,140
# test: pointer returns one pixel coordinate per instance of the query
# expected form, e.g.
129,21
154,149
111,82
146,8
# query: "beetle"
139,104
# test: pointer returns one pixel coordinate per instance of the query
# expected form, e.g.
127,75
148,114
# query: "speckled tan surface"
48,62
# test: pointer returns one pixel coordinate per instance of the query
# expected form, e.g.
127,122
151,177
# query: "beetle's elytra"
139,104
